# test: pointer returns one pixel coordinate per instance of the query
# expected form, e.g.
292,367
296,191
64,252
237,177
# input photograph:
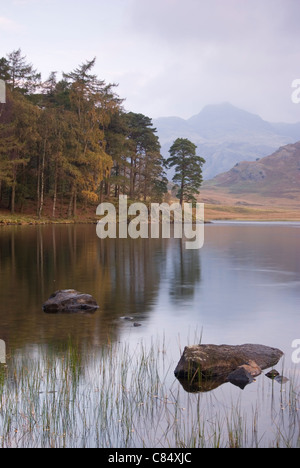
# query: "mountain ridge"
272,183
278,171
225,135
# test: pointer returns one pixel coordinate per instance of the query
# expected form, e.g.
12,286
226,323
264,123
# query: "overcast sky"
169,57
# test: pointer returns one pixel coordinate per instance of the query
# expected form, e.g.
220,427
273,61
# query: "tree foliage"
188,169
69,141
19,74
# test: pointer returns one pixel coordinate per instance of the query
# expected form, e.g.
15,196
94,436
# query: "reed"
123,396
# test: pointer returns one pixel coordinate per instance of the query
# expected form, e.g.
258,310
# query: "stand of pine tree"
67,145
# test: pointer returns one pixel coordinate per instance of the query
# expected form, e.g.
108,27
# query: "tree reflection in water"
124,276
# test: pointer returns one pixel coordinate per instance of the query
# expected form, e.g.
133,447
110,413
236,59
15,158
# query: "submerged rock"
216,362
272,374
244,374
281,379
240,377
68,301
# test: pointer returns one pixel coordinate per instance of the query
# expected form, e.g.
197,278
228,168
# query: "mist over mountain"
226,135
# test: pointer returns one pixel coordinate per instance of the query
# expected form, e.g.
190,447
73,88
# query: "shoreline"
212,213
219,212
28,221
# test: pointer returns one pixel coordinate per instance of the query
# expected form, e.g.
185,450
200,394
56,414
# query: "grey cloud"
214,20
245,52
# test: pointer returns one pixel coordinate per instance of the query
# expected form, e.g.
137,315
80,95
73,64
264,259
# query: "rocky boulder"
69,300
240,377
200,364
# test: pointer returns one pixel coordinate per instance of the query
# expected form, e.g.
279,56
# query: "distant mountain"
277,175
225,135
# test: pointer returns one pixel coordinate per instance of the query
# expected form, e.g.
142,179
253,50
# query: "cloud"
8,25
216,20
169,56
245,52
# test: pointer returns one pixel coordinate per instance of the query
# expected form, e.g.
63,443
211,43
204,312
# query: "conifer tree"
92,102
188,169
118,147
71,140
21,75
18,138
146,162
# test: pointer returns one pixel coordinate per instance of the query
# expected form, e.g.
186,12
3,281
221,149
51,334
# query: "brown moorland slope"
268,188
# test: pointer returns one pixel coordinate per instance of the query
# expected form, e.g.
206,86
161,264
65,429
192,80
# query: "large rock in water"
69,300
204,367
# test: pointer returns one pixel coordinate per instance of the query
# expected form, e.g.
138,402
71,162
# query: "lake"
243,286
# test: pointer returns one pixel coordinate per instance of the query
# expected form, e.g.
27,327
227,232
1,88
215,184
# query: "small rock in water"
136,324
281,379
272,374
70,300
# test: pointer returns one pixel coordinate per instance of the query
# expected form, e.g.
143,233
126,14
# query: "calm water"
243,286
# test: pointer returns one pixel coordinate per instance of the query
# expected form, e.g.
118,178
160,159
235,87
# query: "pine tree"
71,140
118,147
18,139
92,103
146,163
188,169
4,69
21,76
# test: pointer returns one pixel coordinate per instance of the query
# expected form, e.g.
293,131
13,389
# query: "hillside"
226,135
272,182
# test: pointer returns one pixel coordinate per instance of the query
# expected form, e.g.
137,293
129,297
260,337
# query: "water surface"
243,286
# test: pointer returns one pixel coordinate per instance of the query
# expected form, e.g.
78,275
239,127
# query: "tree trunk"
13,196
181,191
140,177
75,203
108,189
38,186
55,190
101,192
131,178
135,173
71,203
117,185
42,181
146,180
